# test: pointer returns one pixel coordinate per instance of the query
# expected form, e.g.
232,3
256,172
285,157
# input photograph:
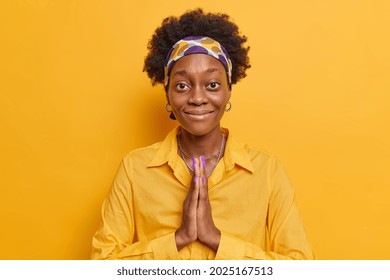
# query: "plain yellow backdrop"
74,100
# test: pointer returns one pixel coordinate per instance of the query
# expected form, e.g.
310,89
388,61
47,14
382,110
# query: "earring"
171,115
167,108
230,107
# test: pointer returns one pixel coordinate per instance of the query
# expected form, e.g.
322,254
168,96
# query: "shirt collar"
235,153
167,152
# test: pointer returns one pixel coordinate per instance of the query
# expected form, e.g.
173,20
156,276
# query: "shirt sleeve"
115,237
286,237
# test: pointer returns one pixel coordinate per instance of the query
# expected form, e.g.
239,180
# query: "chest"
239,203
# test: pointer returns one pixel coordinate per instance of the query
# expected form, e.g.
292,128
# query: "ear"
167,97
229,94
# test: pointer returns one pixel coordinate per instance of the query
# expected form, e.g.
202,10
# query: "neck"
205,145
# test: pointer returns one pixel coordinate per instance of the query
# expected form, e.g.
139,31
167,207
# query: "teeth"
199,113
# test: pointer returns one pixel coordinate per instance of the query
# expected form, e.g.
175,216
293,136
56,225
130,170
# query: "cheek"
171,98
176,103
221,101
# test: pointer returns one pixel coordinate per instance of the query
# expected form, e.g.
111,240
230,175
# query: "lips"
198,115
198,112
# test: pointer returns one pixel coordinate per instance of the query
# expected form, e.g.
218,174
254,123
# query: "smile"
198,114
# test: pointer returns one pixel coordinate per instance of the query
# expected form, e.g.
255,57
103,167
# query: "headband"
193,45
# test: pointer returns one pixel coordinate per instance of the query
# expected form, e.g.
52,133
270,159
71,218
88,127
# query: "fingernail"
195,180
203,161
202,179
193,163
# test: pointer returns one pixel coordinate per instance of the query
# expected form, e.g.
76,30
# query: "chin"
198,129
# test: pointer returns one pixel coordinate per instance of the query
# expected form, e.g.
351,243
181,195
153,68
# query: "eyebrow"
184,71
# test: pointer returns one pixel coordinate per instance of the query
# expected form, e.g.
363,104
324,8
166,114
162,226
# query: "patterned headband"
193,45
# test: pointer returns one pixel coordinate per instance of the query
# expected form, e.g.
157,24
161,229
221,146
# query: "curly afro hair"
196,23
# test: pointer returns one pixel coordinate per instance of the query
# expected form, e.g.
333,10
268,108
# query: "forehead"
198,63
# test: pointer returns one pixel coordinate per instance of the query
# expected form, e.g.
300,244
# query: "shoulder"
155,154
259,155
261,159
268,165
247,156
256,153
142,155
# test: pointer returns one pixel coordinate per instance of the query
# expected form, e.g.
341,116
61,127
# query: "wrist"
213,239
182,239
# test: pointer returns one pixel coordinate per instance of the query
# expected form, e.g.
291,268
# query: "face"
198,93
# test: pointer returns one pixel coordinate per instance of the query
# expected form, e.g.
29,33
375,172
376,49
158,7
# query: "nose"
198,96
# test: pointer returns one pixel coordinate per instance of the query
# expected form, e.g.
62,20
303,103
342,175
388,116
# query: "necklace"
187,156
218,155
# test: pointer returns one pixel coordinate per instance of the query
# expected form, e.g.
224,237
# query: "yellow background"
74,100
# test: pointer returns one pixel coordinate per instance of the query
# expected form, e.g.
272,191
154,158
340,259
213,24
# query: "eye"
181,86
213,85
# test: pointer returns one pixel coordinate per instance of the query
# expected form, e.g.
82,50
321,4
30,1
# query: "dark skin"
198,93
197,220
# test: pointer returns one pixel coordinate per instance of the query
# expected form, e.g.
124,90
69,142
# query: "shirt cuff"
164,247
233,248
161,248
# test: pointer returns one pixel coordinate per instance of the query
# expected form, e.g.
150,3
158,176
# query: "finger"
203,170
190,192
194,196
202,163
196,166
191,199
203,192
192,183
191,195
188,198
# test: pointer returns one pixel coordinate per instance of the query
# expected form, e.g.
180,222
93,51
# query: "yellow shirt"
251,199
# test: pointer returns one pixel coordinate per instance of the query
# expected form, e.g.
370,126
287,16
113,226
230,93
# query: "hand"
208,233
187,232
197,220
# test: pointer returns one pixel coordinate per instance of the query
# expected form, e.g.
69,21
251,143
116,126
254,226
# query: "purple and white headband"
194,45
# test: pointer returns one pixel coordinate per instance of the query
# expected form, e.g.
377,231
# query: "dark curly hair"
196,23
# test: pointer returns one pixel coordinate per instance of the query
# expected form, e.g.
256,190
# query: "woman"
199,194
